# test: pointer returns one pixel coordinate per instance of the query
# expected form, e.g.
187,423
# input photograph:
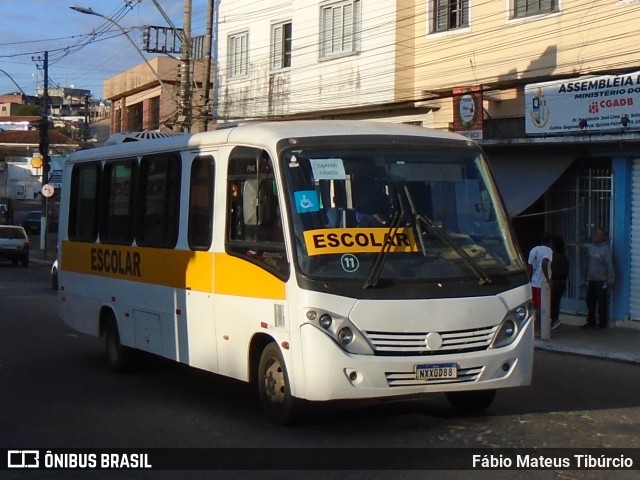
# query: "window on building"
201,203
238,55
83,205
118,120
135,117
154,113
450,14
525,8
340,32
118,207
159,200
281,46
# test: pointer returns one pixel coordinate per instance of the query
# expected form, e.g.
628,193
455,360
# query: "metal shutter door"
634,297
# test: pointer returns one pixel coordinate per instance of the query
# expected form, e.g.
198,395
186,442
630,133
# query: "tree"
28,110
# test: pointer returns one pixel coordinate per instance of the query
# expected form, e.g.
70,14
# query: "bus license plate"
436,372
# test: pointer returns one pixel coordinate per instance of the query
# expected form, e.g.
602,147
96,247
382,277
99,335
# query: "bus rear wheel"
471,402
121,359
278,404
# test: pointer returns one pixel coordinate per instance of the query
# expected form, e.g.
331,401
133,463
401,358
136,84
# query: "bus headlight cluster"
513,322
341,330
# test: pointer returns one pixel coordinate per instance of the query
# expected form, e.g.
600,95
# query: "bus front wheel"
277,402
121,359
472,401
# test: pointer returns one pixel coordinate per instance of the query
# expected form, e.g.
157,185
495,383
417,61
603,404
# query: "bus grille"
459,341
408,379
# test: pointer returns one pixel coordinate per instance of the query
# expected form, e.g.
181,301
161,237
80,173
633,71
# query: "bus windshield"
403,212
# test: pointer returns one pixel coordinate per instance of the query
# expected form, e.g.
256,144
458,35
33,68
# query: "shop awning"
523,177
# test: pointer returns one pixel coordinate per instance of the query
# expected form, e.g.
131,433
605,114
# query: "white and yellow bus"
322,260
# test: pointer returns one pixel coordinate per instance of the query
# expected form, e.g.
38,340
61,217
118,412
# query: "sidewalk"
620,342
37,254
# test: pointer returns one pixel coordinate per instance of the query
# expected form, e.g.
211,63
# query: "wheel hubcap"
274,384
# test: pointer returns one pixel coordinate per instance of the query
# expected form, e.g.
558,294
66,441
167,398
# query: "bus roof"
274,131
263,133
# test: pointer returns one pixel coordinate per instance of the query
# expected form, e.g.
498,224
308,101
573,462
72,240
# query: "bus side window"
201,203
159,200
117,202
254,224
83,202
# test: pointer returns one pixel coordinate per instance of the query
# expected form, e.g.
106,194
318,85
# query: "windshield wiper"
378,263
442,235
416,222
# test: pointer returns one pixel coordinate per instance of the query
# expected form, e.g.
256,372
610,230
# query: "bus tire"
278,405
121,359
471,402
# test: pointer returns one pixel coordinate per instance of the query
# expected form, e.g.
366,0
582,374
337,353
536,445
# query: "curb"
588,352
41,261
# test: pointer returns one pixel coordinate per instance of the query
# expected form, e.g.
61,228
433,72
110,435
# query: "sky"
84,50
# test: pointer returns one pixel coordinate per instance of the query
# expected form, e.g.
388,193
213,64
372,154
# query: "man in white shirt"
539,267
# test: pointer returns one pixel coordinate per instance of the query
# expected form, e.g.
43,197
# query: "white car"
14,244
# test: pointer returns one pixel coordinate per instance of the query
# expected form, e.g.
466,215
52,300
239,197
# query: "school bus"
322,260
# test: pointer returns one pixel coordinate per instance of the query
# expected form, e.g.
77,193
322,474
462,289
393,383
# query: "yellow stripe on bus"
234,276
358,240
181,269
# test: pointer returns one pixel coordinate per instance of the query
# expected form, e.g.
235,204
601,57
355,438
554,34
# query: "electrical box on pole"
162,39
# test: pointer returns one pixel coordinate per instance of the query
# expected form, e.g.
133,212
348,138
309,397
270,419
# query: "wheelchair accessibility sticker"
306,201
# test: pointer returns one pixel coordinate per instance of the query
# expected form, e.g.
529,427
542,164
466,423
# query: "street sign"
48,190
55,178
37,160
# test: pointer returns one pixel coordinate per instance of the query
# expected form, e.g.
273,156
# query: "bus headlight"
511,325
345,336
341,330
326,321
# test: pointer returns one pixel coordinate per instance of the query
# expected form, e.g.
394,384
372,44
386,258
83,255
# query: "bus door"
252,271
195,323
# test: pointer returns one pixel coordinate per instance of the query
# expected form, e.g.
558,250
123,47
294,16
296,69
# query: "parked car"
54,275
31,222
14,244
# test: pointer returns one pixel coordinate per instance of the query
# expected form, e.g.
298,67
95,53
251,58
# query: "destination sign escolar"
331,241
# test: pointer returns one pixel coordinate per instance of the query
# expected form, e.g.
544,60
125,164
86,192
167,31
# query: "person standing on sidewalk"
559,275
600,277
539,268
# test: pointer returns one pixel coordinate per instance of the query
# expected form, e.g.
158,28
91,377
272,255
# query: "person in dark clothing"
559,275
600,277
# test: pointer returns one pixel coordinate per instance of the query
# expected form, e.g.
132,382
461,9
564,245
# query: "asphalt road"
56,391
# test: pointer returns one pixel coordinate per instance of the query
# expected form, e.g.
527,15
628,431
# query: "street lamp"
24,95
89,11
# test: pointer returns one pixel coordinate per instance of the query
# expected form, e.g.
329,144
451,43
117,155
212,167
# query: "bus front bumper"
330,373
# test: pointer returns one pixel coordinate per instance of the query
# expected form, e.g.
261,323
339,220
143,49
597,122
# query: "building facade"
502,72
139,102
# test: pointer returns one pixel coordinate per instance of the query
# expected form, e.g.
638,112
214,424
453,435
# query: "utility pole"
185,70
87,119
44,151
206,76
216,72
44,123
